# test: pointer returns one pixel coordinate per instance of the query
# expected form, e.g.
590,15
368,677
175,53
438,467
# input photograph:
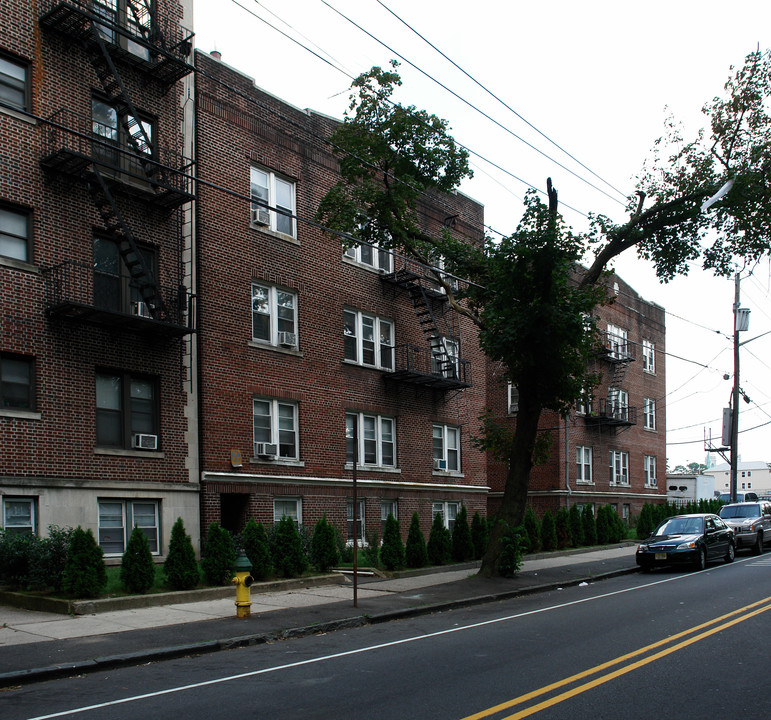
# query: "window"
619,467
377,439
583,464
126,411
584,404
109,128
359,521
369,340
275,424
650,471
445,358
273,201
618,404
118,518
114,288
626,512
274,316
135,17
448,511
387,507
446,448
617,342
15,234
287,507
370,255
17,382
649,356
20,516
513,398
14,83
649,414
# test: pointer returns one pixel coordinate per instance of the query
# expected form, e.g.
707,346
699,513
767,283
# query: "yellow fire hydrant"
243,581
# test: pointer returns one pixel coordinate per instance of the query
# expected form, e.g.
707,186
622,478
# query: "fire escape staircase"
610,412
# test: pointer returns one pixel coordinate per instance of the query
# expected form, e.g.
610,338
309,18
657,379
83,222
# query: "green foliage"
562,527
510,557
590,526
137,569
324,554
257,549
416,552
345,550
548,531
645,523
181,568
392,553
462,544
439,542
31,562
603,526
18,554
289,558
371,549
576,526
480,535
532,531
219,556
84,572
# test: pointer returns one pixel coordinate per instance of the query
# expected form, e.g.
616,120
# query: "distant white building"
689,487
752,475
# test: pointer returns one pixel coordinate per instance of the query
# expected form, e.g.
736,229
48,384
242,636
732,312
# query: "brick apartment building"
611,449
97,409
302,340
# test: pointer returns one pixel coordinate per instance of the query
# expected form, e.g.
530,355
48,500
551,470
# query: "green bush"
439,542
480,535
257,549
532,531
137,570
590,527
510,557
324,553
289,559
219,556
345,550
416,552
462,544
548,532
85,575
371,550
576,527
392,552
181,568
603,525
562,526
18,555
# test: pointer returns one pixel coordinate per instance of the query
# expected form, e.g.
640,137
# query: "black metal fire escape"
619,354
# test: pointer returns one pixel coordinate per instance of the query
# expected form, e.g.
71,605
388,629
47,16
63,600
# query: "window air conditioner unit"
143,441
141,309
287,339
440,464
267,450
260,216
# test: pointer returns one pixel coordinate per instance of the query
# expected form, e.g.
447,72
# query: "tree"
462,544
219,556
287,549
85,575
416,551
529,294
439,542
137,570
180,567
324,553
392,552
257,549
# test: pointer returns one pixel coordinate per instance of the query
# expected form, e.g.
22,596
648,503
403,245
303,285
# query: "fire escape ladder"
444,364
148,31
141,275
619,372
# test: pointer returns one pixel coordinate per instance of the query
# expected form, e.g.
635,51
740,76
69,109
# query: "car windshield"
680,526
740,511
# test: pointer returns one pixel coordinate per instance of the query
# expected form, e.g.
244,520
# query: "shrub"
257,549
18,556
392,551
603,525
219,556
85,575
590,528
287,549
181,568
462,544
562,526
510,558
416,553
480,535
324,553
371,550
548,532
137,570
345,550
576,528
439,542
646,524
532,531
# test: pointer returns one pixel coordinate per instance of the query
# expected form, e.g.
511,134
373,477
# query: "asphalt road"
671,644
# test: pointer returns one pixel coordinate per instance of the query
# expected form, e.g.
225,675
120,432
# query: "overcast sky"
595,79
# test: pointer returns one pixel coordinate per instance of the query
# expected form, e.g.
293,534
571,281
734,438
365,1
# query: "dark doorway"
233,507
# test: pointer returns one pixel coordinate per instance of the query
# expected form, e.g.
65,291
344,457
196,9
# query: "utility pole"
735,399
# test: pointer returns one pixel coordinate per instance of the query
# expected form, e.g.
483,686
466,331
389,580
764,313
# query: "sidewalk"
41,645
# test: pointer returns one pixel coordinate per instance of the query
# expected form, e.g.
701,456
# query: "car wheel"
701,560
731,554
758,549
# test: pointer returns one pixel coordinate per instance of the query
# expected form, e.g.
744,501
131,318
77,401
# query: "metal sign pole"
355,514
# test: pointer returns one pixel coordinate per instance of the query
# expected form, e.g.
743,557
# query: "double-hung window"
649,356
446,447
134,17
14,83
127,414
275,428
618,404
650,470
369,340
288,507
583,464
20,515
446,358
617,342
118,518
513,399
448,511
121,141
114,288
15,234
17,382
273,201
387,507
619,467
371,255
649,414
376,438
359,521
274,315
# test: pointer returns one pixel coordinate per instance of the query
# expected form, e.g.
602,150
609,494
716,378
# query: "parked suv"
740,497
751,523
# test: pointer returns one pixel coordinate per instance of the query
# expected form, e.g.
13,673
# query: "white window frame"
276,430
619,467
584,464
584,404
375,432
513,398
270,183
649,414
15,234
285,503
15,79
618,400
127,509
617,340
649,357
449,510
11,519
387,507
360,518
269,301
368,334
370,255
451,347
649,464
448,446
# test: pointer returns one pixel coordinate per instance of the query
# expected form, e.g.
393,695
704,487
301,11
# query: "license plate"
661,556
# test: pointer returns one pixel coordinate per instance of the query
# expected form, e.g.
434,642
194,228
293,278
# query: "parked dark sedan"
687,539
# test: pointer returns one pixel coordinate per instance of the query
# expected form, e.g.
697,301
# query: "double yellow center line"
627,662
